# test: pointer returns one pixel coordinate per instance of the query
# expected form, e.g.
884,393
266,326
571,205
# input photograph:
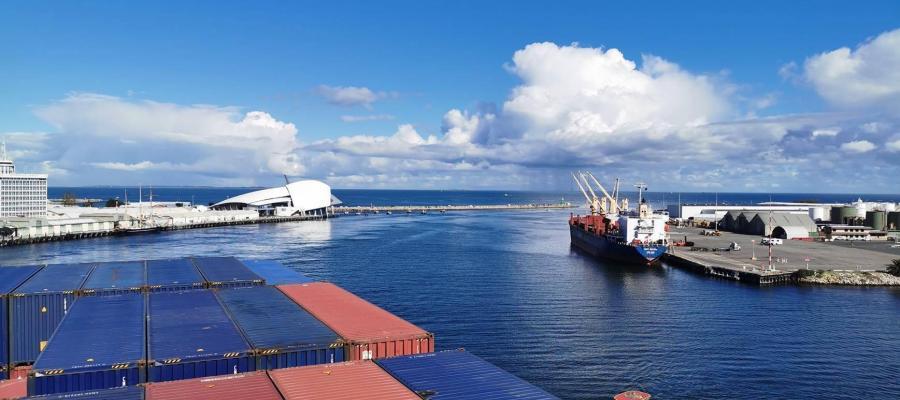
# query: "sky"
743,96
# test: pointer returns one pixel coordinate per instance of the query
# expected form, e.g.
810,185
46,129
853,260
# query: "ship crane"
592,200
613,206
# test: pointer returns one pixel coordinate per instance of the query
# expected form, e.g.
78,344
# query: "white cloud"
866,76
220,132
365,118
858,146
143,166
827,132
893,146
351,95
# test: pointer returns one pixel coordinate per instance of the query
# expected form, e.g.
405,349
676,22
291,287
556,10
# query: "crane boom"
586,197
615,206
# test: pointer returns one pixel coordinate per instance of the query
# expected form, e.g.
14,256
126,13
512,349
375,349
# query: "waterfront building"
21,195
306,197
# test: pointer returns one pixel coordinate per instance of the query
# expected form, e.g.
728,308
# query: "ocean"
508,287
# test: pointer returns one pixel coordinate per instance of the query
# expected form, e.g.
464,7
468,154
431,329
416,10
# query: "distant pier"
434,208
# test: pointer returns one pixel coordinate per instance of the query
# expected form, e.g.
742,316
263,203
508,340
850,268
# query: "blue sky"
362,94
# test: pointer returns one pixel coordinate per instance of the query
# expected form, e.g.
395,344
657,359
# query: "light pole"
753,248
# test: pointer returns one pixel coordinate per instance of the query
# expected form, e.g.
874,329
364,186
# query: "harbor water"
508,287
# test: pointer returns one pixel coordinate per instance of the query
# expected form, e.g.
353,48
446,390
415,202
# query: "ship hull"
605,247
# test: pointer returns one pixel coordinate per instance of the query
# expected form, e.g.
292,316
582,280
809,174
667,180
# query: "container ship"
614,232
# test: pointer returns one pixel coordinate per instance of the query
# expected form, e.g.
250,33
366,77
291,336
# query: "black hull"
607,248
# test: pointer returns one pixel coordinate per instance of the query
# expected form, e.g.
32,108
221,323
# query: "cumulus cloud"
893,146
858,146
866,76
217,132
351,95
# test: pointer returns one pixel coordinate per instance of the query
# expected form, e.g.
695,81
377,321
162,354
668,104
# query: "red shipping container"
254,385
350,380
20,372
13,389
369,331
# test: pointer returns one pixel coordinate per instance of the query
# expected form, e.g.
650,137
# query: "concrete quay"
789,260
434,208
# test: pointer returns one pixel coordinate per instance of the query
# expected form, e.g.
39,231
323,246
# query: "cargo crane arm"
613,201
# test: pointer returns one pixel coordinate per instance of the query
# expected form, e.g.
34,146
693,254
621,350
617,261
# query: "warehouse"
784,225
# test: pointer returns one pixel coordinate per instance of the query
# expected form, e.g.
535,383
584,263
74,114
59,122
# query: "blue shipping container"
281,333
100,344
191,336
112,278
459,375
119,393
173,274
226,272
37,307
275,273
10,279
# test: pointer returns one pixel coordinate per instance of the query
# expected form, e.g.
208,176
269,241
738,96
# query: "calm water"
507,286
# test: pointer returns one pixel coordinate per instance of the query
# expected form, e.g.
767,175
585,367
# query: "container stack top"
270,320
119,393
97,333
223,270
123,275
459,375
353,318
190,325
254,385
275,273
340,381
12,277
173,272
57,278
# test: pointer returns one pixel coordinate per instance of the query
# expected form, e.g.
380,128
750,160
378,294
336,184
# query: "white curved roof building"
307,197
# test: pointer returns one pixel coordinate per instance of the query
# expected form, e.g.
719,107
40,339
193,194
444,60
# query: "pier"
710,255
433,208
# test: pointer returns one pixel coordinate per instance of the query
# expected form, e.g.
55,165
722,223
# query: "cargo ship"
613,232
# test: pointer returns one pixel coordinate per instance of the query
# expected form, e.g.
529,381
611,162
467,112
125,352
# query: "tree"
894,267
113,203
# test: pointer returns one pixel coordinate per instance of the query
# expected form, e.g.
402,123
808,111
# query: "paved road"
792,255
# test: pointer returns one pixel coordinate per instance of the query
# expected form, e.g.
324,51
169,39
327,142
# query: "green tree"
894,267
113,203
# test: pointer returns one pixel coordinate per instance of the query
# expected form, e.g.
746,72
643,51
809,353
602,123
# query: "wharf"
750,264
436,208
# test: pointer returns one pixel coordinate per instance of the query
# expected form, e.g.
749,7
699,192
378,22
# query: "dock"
435,208
710,256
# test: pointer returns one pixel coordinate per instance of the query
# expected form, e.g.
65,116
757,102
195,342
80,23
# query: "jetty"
440,208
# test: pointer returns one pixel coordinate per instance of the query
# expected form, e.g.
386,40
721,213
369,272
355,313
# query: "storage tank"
817,213
876,219
893,220
844,214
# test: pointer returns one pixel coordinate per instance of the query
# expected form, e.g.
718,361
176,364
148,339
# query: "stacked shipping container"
119,393
342,381
10,279
191,336
226,272
100,344
173,274
38,305
368,331
275,273
256,386
281,334
114,278
459,375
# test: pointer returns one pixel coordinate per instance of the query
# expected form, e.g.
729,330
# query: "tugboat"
615,233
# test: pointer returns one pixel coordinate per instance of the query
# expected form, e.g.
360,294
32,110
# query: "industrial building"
710,212
21,195
307,197
784,225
